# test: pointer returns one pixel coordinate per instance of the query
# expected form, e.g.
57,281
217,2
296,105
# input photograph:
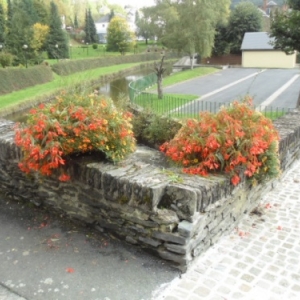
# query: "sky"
138,3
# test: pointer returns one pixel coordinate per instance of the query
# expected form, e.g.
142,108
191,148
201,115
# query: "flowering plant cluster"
236,140
73,124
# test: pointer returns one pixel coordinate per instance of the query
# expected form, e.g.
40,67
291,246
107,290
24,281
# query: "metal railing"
184,108
141,84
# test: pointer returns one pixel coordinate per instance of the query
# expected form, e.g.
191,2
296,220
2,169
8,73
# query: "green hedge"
14,79
68,67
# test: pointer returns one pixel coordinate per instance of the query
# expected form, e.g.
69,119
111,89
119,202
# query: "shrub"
152,129
95,46
237,140
68,67
14,79
6,59
73,124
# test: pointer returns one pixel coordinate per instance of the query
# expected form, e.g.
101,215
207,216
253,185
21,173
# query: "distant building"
258,52
102,23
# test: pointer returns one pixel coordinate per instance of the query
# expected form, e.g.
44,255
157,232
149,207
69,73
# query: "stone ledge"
139,202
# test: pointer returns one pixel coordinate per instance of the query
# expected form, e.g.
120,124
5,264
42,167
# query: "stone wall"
143,200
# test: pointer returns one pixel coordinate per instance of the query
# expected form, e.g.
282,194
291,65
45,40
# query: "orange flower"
64,177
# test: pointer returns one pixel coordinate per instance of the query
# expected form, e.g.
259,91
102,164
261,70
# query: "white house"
101,27
102,23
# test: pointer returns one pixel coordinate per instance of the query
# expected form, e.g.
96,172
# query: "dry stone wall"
174,215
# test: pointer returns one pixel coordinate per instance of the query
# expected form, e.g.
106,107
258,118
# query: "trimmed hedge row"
68,67
17,79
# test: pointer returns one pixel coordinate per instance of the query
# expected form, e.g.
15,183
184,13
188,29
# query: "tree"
19,33
111,14
2,25
221,44
244,18
57,42
189,26
285,28
90,28
40,33
119,36
76,25
144,25
159,71
42,12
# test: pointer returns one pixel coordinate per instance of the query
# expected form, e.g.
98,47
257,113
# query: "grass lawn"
161,106
59,83
187,74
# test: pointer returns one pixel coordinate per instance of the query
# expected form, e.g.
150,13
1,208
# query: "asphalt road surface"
267,87
43,256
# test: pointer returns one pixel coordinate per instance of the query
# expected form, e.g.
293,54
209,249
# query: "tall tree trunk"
159,71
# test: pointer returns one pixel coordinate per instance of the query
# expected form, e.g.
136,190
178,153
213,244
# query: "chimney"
265,5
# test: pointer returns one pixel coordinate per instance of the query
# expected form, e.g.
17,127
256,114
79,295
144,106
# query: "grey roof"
257,41
271,3
103,19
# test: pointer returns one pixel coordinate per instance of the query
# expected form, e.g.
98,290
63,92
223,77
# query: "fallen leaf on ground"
70,270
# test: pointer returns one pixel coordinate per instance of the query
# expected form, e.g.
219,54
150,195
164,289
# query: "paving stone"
238,295
267,262
202,291
186,284
223,290
245,287
247,277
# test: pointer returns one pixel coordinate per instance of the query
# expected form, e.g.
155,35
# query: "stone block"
180,249
184,197
180,259
165,217
131,240
152,242
169,237
185,228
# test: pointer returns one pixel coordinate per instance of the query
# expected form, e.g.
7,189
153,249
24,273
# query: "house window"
103,25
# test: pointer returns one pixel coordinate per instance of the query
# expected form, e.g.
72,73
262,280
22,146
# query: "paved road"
275,87
45,257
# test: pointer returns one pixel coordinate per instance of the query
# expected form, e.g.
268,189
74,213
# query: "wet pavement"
45,256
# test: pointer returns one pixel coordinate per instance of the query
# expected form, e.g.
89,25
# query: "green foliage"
145,27
57,42
19,78
244,18
2,25
257,3
41,12
73,124
237,140
20,34
189,26
90,28
151,129
76,25
285,28
221,44
6,59
73,66
294,4
119,36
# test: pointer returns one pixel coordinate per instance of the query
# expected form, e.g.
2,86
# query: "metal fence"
184,108
141,84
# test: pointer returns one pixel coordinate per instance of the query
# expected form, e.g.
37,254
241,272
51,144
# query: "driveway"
268,87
